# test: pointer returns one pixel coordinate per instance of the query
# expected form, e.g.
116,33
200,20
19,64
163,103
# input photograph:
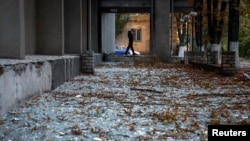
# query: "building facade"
59,27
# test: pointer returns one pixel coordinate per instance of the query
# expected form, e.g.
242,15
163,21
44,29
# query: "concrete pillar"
73,23
84,22
94,26
108,33
12,29
30,26
161,29
50,27
89,27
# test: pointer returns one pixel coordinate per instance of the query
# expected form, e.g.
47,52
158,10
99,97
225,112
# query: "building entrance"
159,22
130,12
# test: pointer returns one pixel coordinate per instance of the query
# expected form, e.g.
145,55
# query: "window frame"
137,34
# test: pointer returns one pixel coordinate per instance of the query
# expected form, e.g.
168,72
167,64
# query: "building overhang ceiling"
140,6
181,6
125,6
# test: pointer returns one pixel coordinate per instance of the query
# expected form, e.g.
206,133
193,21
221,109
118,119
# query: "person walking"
130,43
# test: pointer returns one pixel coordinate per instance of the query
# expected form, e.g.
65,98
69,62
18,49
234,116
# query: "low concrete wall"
98,58
21,79
209,61
201,57
63,69
129,58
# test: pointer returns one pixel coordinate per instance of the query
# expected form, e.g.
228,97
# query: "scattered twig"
142,103
215,95
146,90
246,75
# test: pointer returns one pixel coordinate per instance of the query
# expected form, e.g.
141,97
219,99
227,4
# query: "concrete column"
30,26
89,19
161,30
94,26
84,22
108,33
50,27
73,23
12,29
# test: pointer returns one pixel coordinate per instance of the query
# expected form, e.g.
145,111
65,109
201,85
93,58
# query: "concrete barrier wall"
98,59
19,81
64,69
22,79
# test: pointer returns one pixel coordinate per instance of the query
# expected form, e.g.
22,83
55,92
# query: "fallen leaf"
76,132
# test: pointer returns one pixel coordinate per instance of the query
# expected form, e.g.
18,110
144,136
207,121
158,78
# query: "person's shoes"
135,54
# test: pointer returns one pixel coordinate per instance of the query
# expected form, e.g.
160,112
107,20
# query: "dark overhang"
140,6
125,9
180,6
125,6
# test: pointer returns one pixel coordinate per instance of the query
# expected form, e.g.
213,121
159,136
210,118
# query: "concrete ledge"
21,79
129,58
98,58
176,59
64,69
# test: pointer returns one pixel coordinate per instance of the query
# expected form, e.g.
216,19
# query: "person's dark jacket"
130,37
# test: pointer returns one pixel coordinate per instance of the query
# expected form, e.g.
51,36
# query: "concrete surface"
21,79
161,30
108,32
123,101
73,26
12,29
50,27
30,26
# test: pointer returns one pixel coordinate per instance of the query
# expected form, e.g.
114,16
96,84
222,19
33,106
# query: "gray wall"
12,29
108,32
50,27
22,79
94,26
84,29
64,69
73,23
30,26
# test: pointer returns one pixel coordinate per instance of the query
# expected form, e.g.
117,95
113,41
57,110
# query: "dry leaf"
76,131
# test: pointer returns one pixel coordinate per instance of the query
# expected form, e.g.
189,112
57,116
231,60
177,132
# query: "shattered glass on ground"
132,102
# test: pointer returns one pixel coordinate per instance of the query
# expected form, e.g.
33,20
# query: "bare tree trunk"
216,16
181,27
182,32
233,30
221,21
198,24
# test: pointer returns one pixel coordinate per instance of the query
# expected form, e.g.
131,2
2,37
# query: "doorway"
114,28
139,25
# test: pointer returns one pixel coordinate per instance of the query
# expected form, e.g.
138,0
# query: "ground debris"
126,102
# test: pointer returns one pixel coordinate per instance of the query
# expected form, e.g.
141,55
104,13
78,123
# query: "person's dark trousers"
130,45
